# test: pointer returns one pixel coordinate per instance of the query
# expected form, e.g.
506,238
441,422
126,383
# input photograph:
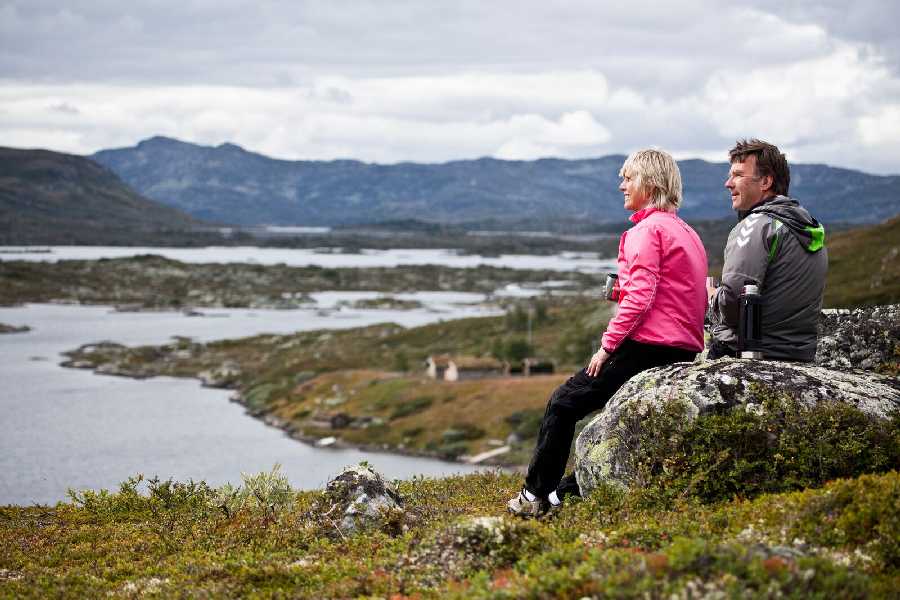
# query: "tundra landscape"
285,289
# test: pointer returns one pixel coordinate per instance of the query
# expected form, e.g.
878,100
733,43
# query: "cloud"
434,81
65,108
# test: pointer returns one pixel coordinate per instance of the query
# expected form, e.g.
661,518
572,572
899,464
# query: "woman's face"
635,198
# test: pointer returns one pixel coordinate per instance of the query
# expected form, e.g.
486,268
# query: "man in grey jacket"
779,247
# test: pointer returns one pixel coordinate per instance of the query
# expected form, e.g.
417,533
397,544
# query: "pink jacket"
662,277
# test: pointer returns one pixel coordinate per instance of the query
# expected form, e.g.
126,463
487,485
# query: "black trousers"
577,398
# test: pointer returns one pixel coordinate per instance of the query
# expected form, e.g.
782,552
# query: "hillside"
49,197
864,266
227,183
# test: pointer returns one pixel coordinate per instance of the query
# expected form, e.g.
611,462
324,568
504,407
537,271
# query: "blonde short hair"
657,176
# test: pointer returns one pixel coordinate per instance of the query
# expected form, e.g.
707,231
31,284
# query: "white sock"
554,499
528,495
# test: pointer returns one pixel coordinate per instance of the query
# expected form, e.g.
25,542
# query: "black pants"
577,398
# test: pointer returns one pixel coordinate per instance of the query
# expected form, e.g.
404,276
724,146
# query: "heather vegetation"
744,505
451,539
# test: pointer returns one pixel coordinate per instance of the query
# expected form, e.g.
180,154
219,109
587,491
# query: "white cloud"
434,81
881,128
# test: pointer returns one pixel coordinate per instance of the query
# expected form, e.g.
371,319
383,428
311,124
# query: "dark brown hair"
769,161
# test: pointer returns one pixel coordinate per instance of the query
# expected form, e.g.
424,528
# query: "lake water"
66,428
588,262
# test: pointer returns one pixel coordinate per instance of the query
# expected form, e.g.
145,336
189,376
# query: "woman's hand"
597,361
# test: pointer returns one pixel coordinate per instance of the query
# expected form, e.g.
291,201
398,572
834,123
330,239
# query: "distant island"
4,328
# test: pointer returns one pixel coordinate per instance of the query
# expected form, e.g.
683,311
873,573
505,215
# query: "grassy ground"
786,502
864,266
838,541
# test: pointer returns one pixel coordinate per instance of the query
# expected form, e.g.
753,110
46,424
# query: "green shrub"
408,407
858,513
448,450
526,423
784,447
163,498
462,431
257,397
413,432
266,494
401,361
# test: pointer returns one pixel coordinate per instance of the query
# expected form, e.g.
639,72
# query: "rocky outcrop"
856,364
4,328
226,376
605,445
358,499
864,338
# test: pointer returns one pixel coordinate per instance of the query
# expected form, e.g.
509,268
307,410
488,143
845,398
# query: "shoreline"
293,433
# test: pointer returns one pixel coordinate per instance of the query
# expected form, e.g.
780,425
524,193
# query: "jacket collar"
742,214
642,214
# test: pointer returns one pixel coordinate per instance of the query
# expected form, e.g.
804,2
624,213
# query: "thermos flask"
750,322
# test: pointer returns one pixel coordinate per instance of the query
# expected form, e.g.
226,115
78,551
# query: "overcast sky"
436,80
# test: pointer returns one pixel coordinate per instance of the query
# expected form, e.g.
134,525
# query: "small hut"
436,365
537,366
469,367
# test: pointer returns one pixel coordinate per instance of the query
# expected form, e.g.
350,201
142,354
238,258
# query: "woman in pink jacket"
659,321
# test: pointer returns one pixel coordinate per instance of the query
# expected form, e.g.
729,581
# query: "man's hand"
597,361
710,292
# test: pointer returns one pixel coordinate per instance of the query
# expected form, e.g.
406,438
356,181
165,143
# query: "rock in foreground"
358,499
606,447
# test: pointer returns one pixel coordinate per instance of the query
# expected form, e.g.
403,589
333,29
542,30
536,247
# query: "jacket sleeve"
746,259
643,251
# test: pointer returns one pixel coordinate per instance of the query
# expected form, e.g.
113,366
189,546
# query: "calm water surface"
566,261
66,428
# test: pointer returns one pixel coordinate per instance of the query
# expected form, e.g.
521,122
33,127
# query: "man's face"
747,189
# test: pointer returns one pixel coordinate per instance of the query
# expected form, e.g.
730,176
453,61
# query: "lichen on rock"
607,449
863,338
358,499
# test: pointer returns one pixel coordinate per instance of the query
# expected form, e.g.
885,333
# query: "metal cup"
611,289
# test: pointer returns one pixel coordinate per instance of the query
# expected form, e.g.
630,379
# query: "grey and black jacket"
781,248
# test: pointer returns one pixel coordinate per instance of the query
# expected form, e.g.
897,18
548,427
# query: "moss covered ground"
838,541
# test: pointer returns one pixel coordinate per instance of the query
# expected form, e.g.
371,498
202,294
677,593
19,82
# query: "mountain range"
50,197
229,184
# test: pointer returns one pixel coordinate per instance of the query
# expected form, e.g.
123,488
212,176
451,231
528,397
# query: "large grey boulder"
863,338
603,448
358,499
